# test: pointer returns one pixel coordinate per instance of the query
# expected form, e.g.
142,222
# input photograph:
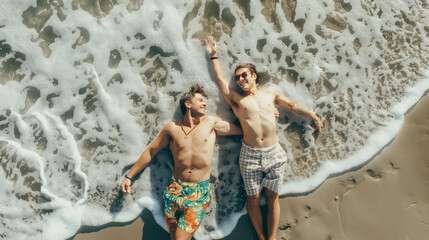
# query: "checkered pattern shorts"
262,168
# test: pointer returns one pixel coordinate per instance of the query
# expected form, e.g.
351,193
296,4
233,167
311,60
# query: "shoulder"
271,91
211,121
170,125
210,118
235,97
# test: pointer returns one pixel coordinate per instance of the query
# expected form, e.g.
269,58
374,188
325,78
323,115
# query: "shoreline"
386,198
383,199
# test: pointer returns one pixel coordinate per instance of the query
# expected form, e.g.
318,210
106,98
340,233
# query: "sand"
387,198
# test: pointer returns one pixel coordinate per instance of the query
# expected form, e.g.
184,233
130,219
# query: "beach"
86,86
386,198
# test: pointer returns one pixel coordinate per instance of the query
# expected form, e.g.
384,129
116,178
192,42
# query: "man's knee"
253,200
272,197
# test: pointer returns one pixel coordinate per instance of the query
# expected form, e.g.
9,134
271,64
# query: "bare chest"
185,138
260,105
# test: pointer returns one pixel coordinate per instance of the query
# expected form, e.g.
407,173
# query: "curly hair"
189,95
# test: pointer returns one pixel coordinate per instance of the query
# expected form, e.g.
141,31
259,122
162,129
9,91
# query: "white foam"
70,127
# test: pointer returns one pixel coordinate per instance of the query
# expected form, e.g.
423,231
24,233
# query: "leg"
272,182
255,214
172,232
273,214
190,221
251,172
176,233
182,234
170,211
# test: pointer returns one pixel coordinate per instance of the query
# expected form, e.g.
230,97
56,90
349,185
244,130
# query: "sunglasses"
243,75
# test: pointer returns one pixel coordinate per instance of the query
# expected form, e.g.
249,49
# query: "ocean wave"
85,86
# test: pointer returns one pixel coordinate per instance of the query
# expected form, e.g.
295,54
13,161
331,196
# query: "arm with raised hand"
149,153
226,92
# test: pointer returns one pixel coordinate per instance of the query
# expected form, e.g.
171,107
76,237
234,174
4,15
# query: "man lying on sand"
192,142
262,159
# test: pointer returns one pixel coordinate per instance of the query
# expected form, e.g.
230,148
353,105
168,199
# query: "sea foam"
87,85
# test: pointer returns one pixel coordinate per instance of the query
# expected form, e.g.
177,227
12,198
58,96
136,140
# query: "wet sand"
387,198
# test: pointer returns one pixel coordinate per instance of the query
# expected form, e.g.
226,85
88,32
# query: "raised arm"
296,108
226,92
159,143
224,128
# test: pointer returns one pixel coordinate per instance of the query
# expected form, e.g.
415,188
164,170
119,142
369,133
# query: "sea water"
86,85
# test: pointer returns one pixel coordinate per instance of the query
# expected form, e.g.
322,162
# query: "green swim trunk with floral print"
185,204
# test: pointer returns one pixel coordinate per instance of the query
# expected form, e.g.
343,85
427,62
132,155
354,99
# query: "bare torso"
256,115
192,153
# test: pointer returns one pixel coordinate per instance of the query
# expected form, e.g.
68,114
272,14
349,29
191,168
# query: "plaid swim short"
262,168
185,203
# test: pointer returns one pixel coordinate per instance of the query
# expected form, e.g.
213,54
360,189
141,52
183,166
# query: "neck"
252,92
189,120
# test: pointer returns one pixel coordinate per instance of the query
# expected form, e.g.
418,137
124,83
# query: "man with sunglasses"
262,159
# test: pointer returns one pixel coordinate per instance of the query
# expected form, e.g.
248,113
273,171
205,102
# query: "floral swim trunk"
185,203
262,168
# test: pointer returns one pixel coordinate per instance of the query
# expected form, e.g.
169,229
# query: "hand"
276,113
211,46
318,124
126,185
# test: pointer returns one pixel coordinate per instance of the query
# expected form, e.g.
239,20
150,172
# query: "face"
197,104
245,78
